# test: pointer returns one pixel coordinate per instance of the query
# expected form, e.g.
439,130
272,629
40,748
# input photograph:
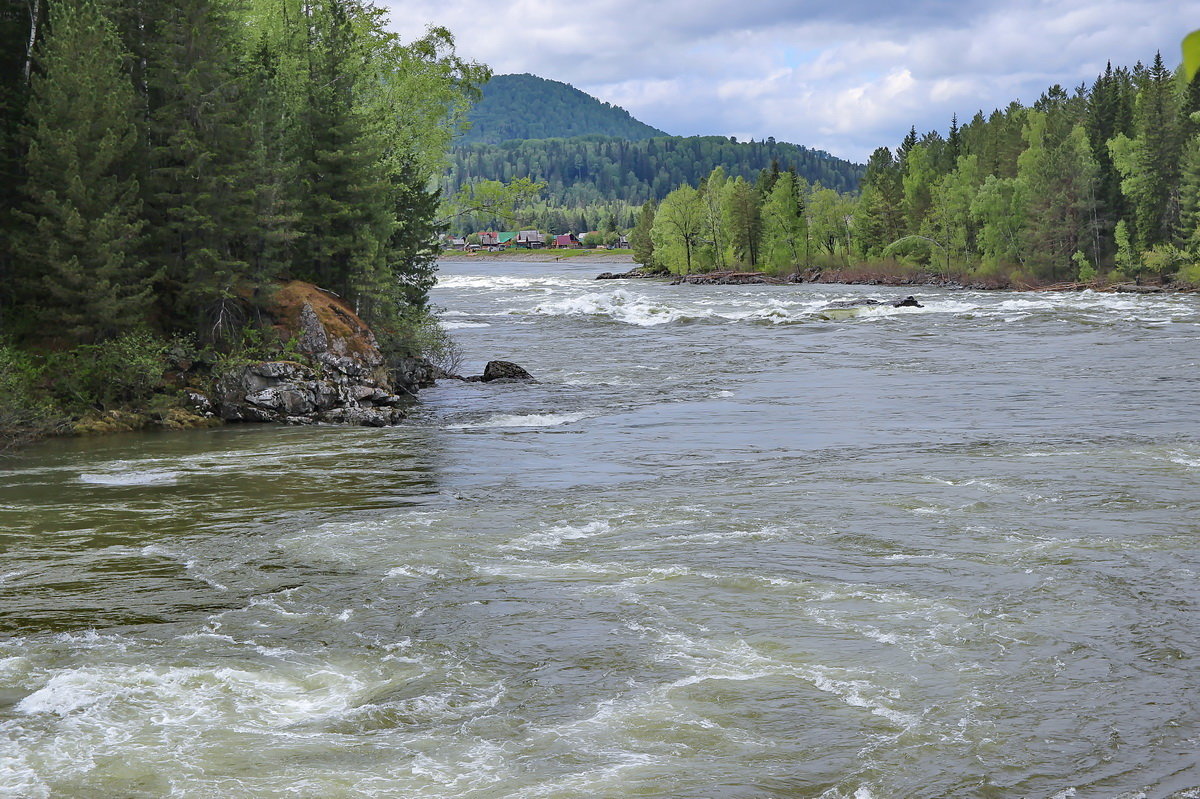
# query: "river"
722,548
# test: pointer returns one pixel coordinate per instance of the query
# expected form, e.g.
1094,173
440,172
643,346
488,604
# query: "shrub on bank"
25,411
121,372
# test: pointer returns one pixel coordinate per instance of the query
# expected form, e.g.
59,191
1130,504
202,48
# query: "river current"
723,548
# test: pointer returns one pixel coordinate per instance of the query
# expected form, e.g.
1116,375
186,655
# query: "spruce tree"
197,194
78,254
1149,162
345,218
17,22
639,238
413,249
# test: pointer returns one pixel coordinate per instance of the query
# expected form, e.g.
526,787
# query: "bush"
24,410
1086,272
120,372
1190,275
421,335
1164,259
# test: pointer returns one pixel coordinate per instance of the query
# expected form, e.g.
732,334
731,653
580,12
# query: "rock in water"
504,370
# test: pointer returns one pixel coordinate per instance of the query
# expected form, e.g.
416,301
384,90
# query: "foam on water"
463,325
556,536
621,306
503,282
528,420
130,478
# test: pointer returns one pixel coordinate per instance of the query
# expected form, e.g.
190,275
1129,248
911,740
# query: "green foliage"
1086,272
679,224
589,171
188,155
528,107
121,372
785,228
1149,160
77,256
23,407
497,204
640,239
1191,55
420,334
1164,259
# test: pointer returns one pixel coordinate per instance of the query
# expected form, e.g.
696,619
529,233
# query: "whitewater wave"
521,420
130,478
502,282
621,306
463,325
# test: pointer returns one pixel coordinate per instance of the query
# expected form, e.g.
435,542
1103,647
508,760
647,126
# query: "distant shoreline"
540,256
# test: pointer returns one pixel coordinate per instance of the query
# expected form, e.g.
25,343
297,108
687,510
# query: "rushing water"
723,548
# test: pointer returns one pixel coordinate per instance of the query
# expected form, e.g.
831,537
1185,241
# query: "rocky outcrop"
293,393
630,275
726,279
344,379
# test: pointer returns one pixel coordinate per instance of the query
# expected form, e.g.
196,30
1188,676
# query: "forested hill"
589,170
529,107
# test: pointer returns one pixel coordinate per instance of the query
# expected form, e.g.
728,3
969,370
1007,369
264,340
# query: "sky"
845,76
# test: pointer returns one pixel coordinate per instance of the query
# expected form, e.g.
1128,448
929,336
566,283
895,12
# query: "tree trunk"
35,13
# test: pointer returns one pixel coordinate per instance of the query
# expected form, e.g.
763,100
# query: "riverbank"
542,256
868,277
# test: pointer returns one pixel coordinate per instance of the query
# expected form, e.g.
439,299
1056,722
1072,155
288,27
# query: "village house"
567,241
531,239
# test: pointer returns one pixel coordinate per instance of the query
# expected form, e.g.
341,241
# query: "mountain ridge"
526,106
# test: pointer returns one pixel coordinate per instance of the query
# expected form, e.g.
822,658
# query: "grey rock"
313,338
198,402
503,370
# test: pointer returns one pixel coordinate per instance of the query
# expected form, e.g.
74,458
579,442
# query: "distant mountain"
529,107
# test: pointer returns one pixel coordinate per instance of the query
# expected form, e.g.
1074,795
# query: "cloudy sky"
842,75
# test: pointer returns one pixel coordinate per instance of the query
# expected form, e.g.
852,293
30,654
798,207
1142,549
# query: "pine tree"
197,195
17,23
1149,162
639,239
346,220
413,251
78,254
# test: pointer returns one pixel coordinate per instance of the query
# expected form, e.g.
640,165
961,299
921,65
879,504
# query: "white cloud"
846,77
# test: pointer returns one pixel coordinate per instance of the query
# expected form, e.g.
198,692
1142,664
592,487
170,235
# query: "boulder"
908,302
503,370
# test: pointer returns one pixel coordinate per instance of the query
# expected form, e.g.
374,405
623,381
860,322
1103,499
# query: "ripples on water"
724,548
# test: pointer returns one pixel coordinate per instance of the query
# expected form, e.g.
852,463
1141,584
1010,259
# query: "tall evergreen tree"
639,239
20,26
78,254
1149,161
346,218
197,195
